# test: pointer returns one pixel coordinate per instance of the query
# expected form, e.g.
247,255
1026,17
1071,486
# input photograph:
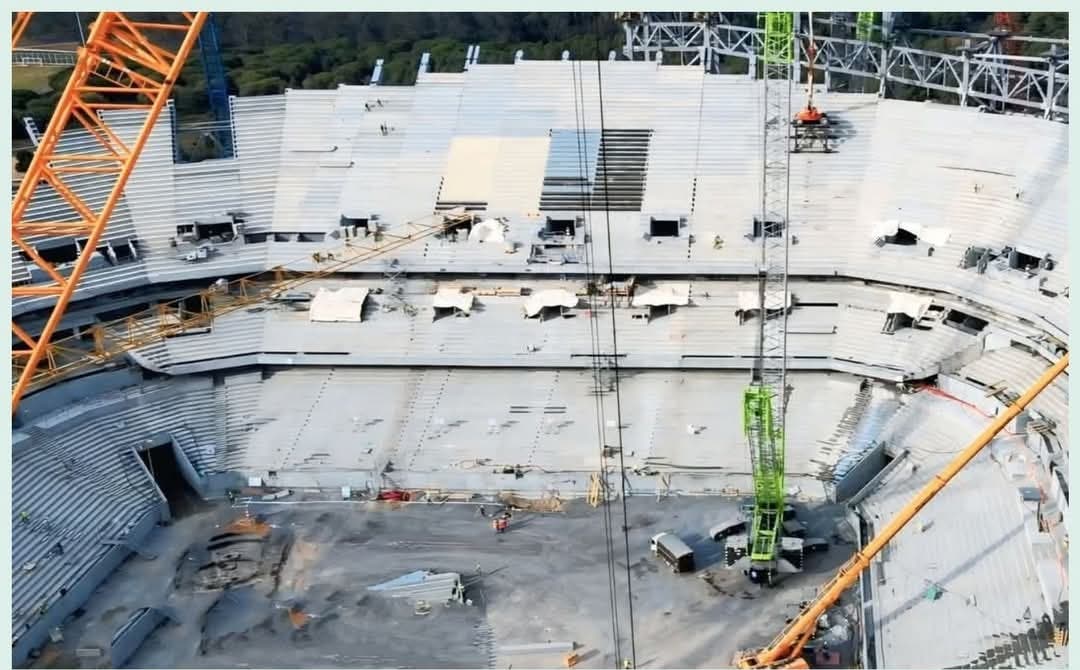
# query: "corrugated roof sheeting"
323,420
258,125
970,541
239,395
315,162
673,148
423,585
927,161
93,189
500,336
895,160
438,419
418,169
728,167
1019,369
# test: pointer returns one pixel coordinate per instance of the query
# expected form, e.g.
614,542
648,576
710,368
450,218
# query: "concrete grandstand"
929,285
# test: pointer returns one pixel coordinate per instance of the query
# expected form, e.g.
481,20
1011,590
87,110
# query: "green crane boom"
764,400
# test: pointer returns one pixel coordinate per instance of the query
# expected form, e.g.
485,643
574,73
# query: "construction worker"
24,517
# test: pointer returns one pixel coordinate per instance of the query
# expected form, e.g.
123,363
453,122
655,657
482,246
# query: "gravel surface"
545,580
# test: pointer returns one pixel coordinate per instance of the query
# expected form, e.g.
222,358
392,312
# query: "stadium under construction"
607,361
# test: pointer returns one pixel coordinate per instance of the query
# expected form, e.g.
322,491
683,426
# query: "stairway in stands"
623,155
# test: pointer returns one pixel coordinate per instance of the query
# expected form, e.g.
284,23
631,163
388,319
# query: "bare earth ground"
545,580
33,77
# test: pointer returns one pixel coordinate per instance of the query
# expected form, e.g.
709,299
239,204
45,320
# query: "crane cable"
594,338
615,351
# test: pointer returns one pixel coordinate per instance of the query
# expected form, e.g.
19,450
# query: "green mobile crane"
759,541
765,399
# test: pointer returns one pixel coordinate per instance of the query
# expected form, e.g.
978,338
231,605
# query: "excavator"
787,650
810,123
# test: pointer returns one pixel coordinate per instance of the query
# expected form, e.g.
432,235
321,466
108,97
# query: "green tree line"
265,53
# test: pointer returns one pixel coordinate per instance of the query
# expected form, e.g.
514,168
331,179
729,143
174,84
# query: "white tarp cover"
928,234
345,304
749,300
556,297
668,294
913,305
488,230
453,298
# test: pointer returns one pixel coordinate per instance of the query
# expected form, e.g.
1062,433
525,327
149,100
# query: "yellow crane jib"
197,313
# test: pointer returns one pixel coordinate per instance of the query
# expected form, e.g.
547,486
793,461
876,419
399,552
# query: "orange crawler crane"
786,651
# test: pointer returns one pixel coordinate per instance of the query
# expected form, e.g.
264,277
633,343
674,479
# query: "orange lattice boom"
18,27
122,57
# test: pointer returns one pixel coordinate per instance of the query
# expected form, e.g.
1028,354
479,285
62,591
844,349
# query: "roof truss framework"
1036,84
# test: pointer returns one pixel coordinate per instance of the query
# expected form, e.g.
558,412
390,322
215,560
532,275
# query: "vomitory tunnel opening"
161,462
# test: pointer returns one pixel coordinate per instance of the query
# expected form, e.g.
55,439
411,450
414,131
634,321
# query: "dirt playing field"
546,580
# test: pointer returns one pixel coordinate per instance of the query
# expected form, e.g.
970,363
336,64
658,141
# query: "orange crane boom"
18,27
786,650
119,58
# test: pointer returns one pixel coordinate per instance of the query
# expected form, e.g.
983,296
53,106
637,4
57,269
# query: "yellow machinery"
786,651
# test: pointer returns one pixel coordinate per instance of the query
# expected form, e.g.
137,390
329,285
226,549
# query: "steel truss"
764,400
978,75
18,26
124,64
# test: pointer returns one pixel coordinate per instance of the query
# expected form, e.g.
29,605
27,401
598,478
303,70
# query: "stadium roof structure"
929,244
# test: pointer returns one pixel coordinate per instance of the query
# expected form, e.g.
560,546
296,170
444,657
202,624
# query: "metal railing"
43,57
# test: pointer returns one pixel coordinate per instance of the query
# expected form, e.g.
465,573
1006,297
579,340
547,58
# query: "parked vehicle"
673,551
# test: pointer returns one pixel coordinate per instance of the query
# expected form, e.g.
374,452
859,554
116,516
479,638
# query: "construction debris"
538,648
424,585
548,503
298,618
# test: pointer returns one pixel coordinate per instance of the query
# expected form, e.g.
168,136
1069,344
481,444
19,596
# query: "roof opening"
663,227
971,325
896,321
127,252
347,221
560,226
1018,260
978,258
769,228
66,253
902,237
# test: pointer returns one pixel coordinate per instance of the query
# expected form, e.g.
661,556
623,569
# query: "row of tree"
265,53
